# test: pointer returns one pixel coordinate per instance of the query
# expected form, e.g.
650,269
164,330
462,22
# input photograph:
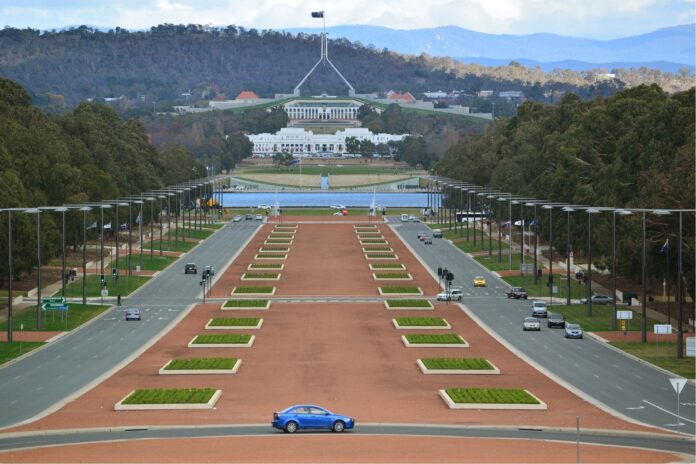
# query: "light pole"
680,296
568,210
590,212
536,241
84,210
550,279
62,210
621,212
160,197
39,314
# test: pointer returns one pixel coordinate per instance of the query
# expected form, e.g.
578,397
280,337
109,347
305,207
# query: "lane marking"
668,412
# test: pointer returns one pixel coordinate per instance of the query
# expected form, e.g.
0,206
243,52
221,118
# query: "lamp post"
536,242
568,210
621,212
84,210
590,212
550,279
39,314
160,197
62,210
680,296
10,276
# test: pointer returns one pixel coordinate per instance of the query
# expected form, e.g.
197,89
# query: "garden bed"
235,305
392,276
470,366
266,266
222,341
374,241
169,398
253,291
219,323
277,241
261,276
274,249
201,366
381,256
386,266
400,291
371,249
432,323
271,256
414,305
434,341
491,398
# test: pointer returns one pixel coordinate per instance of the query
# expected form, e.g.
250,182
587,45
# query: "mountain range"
666,49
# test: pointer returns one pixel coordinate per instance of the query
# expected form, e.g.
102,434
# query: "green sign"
53,300
54,307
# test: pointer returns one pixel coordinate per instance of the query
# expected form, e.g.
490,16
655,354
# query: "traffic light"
450,276
114,272
439,272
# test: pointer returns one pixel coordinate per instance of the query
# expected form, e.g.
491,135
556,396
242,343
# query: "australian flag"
317,14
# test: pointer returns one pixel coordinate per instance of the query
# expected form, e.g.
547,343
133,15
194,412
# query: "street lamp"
84,210
62,210
101,245
550,279
621,212
39,315
644,308
590,212
568,210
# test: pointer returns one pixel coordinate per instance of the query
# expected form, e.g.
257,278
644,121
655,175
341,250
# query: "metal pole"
550,281
169,221
589,264
160,234
11,278
130,238
63,260
510,231
84,257
39,314
536,244
613,272
468,217
643,322
680,289
118,232
152,228
461,207
568,258
482,221
500,233
489,221
521,235
140,232
101,246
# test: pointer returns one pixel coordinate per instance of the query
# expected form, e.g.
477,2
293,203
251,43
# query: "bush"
421,321
201,363
491,396
457,363
246,303
234,322
170,396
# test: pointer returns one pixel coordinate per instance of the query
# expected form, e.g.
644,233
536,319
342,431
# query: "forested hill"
64,68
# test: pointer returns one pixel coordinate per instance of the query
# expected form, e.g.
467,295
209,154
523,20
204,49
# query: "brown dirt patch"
29,336
335,448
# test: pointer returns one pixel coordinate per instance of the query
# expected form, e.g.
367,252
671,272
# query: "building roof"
247,95
406,96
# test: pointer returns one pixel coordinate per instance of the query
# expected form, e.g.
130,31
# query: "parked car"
208,270
452,294
259,217
263,207
531,323
248,217
479,281
437,233
133,314
307,416
539,308
237,218
598,299
517,293
556,320
404,218
337,207
573,331
428,240
190,268
413,219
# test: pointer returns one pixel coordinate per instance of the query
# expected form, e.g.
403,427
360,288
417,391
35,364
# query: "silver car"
573,331
531,323
237,218
598,300
539,308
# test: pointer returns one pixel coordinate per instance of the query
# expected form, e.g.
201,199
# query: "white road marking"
596,376
668,412
636,407
618,388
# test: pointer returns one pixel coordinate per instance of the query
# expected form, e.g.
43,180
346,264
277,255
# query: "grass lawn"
15,293
253,290
201,363
577,290
124,286
68,263
457,363
181,247
265,266
222,339
235,322
386,266
170,396
601,317
445,339
663,355
329,170
77,314
414,290
197,234
156,263
504,264
421,321
409,303
470,247
491,396
246,303
9,351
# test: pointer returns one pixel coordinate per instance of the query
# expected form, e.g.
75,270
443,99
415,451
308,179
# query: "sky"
597,19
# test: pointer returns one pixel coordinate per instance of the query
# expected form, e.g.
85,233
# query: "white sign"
624,315
554,289
105,292
662,329
691,346
677,384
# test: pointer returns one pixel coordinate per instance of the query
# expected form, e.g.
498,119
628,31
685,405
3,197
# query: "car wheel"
291,427
524,297
339,426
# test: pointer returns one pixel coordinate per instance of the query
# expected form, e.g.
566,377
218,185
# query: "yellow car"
479,281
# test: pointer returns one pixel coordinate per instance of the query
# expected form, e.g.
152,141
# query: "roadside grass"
235,322
156,263
421,321
181,247
491,396
409,289
577,290
10,351
493,264
221,339
201,364
75,316
444,339
409,303
170,396
662,354
246,303
329,170
125,286
601,317
242,290
457,363
187,233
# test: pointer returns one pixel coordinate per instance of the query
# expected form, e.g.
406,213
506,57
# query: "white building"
322,109
300,141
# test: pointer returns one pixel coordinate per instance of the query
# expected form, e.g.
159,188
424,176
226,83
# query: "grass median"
222,339
10,351
425,304
421,322
457,363
124,286
491,396
387,290
440,339
234,322
201,364
246,303
170,396
53,320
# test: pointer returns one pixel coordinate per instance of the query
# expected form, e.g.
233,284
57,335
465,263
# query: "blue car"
307,416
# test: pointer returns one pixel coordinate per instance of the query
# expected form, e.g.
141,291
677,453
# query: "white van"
404,218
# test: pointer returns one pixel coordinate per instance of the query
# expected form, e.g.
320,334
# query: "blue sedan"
307,416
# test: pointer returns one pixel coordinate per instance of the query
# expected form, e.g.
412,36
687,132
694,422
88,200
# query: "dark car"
556,320
190,268
307,416
428,240
517,293
133,314
249,217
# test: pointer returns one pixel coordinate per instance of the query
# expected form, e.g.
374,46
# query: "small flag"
665,247
93,226
137,220
317,14
505,224
107,226
123,226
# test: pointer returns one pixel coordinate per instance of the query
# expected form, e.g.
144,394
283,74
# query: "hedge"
409,303
253,290
392,275
246,303
400,290
421,321
234,321
434,338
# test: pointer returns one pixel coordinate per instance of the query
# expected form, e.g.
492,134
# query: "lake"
325,199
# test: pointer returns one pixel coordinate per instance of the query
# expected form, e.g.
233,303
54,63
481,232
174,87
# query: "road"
631,388
664,443
64,369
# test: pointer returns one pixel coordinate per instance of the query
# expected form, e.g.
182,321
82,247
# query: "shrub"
170,396
387,266
266,266
400,290
253,290
373,254
392,275
457,363
261,275
377,248
409,303
491,395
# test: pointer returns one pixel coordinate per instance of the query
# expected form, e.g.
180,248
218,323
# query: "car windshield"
540,303
530,319
573,326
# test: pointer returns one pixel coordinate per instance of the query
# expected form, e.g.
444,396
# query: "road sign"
677,384
554,289
54,307
53,300
662,329
691,346
105,292
624,315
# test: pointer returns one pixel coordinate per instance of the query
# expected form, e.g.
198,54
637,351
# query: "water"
325,199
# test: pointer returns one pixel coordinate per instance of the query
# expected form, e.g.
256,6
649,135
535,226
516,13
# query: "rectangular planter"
245,308
233,327
420,292
425,370
244,277
452,405
277,242
410,277
274,250
435,345
278,269
386,250
390,269
395,256
285,256
158,407
409,308
253,294
222,345
422,327
234,370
